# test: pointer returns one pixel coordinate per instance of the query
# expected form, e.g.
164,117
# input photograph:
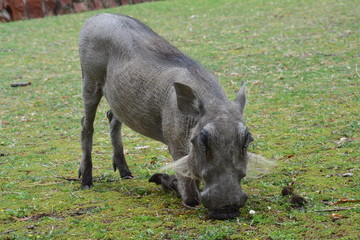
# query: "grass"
300,60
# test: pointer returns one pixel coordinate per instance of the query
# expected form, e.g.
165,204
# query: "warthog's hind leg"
119,161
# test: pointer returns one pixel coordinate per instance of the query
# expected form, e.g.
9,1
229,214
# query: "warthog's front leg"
188,189
119,161
169,182
91,98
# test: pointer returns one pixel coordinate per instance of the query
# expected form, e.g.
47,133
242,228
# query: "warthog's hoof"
157,178
222,214
86,186
192,202
128,177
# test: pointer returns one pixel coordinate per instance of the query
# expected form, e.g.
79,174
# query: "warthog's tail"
257,165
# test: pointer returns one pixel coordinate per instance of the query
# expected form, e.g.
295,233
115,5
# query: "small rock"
252,212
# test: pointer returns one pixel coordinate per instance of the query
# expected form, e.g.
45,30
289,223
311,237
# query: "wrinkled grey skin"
159,92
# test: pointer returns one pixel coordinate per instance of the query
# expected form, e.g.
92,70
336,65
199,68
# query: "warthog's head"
217,152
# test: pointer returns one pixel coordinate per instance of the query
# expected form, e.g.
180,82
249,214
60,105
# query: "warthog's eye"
248,138
201,140
204,138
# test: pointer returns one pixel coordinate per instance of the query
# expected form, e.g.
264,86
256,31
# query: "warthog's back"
136,70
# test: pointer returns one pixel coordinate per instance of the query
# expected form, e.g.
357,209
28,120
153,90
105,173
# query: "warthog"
163,94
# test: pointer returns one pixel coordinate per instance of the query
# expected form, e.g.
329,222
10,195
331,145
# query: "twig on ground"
334,209
251,70
14,230
20,84
67,179
357,72
9,231
346,200
43,184
76,195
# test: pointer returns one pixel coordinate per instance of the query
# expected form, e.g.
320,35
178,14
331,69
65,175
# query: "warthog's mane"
257,166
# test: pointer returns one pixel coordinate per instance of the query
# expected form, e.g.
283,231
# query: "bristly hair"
181,167
257,166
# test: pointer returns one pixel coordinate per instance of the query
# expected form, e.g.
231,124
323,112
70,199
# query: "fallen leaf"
21,219
342,140
335,216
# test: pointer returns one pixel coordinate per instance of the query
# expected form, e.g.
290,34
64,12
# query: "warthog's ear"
240,98
187,100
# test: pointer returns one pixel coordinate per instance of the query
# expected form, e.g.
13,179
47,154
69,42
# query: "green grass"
301,62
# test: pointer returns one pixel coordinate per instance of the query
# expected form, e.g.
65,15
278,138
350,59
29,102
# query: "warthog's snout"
228,212
223,206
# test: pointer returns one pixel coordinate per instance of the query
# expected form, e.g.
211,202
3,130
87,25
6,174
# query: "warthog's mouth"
224,213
